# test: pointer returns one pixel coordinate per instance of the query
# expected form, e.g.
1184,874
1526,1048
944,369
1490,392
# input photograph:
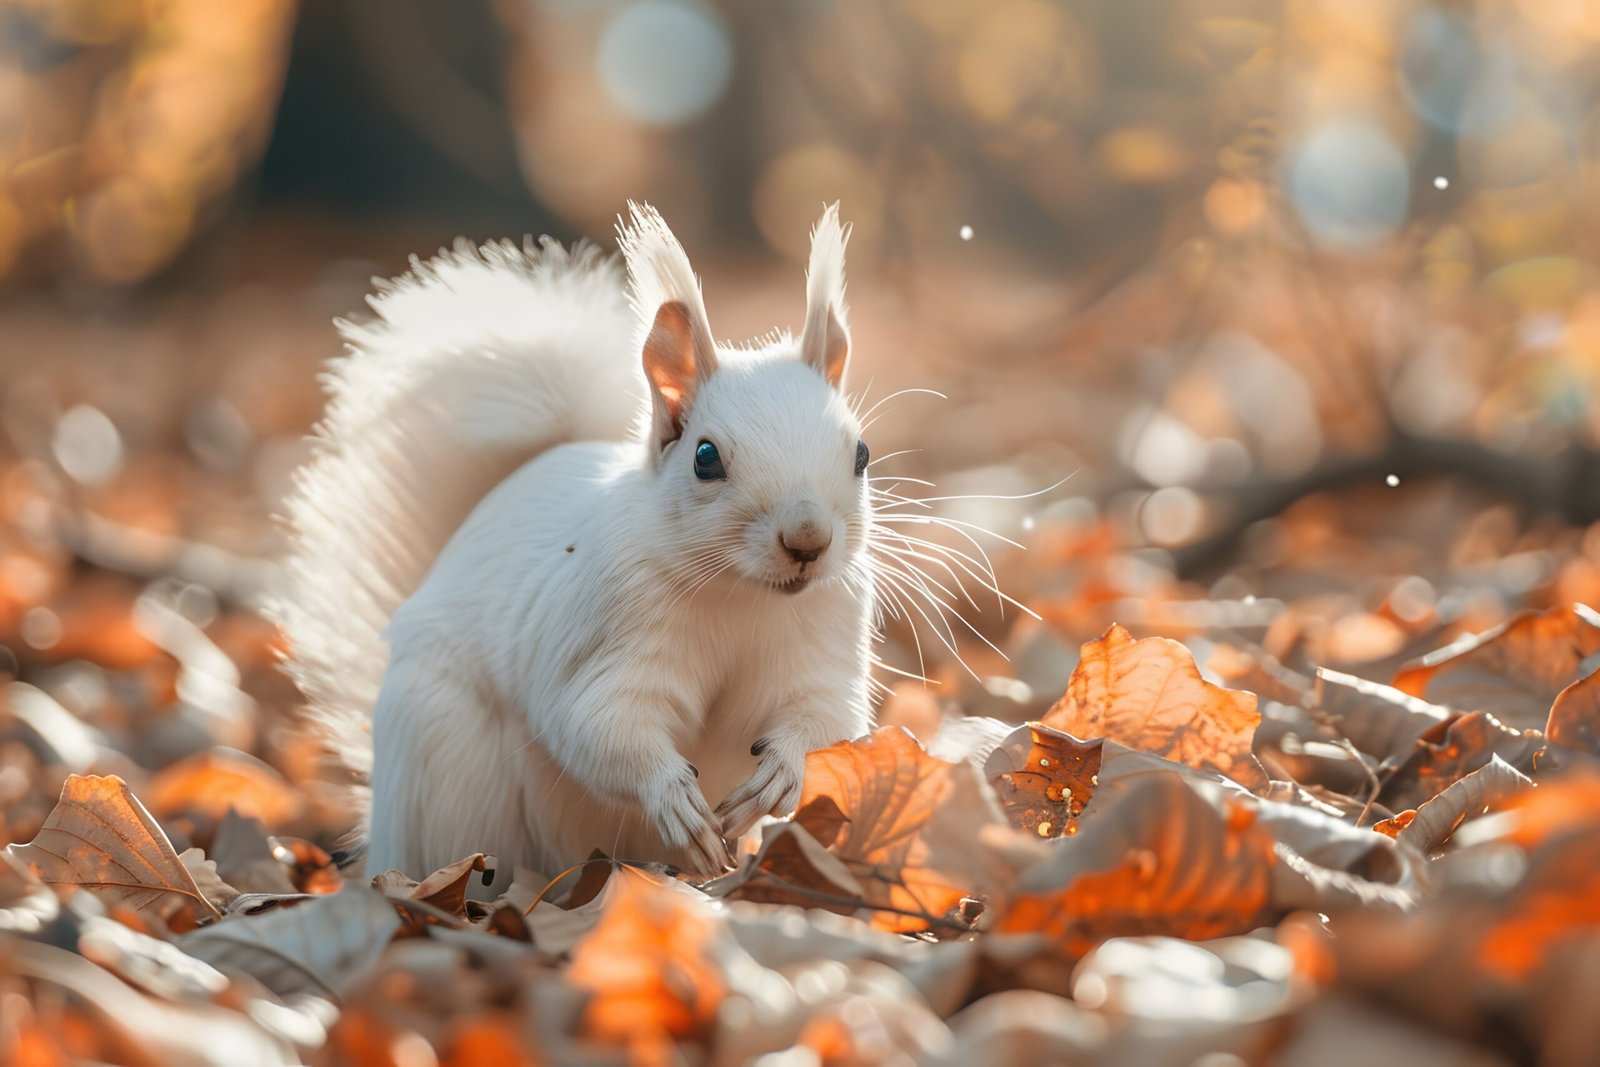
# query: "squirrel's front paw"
774,789
683,818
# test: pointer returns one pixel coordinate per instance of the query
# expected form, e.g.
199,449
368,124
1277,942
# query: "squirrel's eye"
862,455
707,463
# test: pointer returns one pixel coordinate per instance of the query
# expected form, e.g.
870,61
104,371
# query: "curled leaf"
1437,819
1451,751
1575,716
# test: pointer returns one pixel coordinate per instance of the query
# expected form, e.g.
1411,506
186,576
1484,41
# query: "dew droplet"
1044,828
1441,182
966,233
1392,481
1043,762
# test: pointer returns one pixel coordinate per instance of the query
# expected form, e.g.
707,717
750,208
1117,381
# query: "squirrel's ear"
678,353
672,368
825,341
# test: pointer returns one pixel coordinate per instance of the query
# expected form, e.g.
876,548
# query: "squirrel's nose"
805,541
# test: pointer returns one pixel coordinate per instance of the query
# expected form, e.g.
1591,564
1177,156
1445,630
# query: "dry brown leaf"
319,945
1514,671
1377,719
1575,716
1452,750
1434,822
1149,695
245,859
1044,778
445,889
101,838
1158,859
211,783
905,824
204,872
791,867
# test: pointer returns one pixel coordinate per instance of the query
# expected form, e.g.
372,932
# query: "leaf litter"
1335,819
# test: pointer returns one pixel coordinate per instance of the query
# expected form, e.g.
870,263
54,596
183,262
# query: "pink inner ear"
672,400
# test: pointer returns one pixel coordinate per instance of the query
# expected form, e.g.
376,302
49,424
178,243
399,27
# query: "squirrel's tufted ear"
825,340
677,349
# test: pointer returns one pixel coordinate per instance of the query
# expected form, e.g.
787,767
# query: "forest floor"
1323,793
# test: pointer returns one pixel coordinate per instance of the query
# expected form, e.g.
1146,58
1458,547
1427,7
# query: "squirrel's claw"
773,789
686,824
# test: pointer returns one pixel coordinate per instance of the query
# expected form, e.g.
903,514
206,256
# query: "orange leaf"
1045,786
1575,716
903,823
101,838
1161,859
646,969
211,782
1514,671
1149,695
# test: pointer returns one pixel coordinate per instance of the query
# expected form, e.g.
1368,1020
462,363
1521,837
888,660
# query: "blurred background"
1297,296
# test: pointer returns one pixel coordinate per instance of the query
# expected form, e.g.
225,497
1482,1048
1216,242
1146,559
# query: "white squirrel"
593,580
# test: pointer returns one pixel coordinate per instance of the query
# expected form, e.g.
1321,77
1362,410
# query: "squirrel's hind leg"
446,777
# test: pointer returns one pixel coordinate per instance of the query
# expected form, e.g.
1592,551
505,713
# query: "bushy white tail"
475,362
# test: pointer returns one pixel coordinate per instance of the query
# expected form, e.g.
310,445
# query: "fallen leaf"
1024,1026
903,823
320,945
1175,1002
445,889
791,866
1514,671
645,969
1377,719
1436,820
213,782
1452,750
1575,717
1044,778
1149,695
93,1017
245,859
1159,859
101,838
206,878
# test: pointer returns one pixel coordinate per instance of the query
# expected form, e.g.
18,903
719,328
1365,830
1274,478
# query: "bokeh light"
665,61
1350,184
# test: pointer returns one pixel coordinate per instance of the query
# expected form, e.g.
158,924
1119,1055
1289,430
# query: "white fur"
603,621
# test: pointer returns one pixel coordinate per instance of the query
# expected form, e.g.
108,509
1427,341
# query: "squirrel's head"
758,454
